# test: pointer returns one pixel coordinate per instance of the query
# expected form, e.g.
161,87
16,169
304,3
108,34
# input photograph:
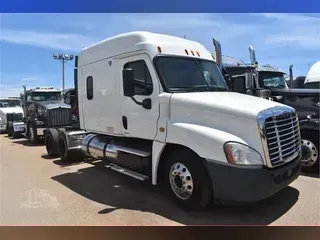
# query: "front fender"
309,124
205,141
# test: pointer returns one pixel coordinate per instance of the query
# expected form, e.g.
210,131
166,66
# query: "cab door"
138,121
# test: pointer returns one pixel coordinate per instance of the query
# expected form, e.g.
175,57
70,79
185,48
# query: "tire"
51,141
32,134
191,167
310,151
10,129
65,154
16,135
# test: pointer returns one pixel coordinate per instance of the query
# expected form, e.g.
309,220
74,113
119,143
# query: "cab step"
127,172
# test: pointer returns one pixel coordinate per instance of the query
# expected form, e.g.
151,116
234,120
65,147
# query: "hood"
52,104
301,92
225,102
11,110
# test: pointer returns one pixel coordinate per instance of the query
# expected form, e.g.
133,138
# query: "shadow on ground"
48,157
26,143
121,192
66,164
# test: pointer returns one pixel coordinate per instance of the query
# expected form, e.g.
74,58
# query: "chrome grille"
283,138
59,117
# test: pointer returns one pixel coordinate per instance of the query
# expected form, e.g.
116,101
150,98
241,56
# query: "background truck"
269,83
41,106
313,77
157,107
51,134
11,114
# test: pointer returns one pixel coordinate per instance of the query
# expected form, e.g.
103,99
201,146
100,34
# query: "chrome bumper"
3,127
19,127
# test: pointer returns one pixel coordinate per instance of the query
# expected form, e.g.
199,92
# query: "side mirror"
227,78
128,82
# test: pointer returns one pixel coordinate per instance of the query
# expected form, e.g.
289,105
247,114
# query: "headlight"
42,111
238,153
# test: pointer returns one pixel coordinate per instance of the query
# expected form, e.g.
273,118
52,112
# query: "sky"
27,41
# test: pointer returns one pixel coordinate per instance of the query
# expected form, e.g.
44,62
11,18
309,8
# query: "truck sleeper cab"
157,106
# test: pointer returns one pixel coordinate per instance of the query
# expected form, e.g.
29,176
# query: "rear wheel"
52,142
67,155
16,135
310,151
187,180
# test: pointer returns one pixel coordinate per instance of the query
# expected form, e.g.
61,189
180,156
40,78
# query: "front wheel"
10,129
32,134
310,151
187,180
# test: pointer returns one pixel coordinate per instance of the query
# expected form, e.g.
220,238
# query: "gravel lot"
37,190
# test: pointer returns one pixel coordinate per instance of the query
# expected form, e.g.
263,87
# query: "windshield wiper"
201,69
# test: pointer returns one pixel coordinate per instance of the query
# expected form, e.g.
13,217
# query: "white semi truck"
11,114
157,107
313,77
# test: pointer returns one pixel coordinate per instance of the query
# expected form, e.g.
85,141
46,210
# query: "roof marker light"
198,54
186,51
192,52
159,49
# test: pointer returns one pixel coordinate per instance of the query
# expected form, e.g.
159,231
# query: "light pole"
62,58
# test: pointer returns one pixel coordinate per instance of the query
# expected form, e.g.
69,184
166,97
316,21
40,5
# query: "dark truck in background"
68,119
44,108
269,83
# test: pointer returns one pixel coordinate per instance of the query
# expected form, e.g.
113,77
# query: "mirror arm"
139,103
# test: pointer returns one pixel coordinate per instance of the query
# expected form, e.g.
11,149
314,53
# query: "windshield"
272,80
44,96
9,103
181,74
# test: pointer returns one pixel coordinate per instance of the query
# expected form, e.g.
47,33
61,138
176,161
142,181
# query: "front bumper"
19,127
245,184
3,127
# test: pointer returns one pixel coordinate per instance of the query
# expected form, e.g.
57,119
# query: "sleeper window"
89,88
142,77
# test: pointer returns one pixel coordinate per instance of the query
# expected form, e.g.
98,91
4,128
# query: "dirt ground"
37,190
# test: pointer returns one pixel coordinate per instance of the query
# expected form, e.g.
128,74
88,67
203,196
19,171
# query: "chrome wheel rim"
309,153
181,181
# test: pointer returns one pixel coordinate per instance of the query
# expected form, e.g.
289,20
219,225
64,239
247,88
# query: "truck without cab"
157,107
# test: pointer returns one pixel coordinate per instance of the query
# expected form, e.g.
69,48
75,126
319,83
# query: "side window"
89,87
142,77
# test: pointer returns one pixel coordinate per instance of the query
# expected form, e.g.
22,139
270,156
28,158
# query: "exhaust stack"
291,76
24,99
217,47
252,56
